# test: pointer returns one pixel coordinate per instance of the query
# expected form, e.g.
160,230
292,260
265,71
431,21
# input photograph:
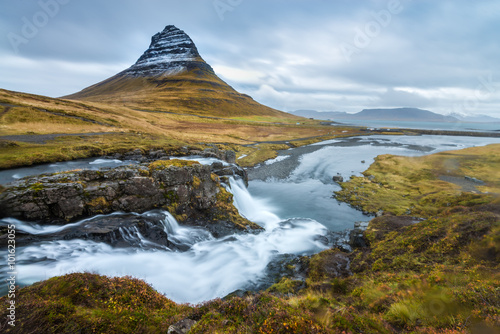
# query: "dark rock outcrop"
213,151
338,178
188,190
356,237
181,327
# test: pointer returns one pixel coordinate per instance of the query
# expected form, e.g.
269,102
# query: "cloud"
397,98
285,53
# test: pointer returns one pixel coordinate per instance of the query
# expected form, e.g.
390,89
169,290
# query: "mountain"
476,118
403,114
396,114
171,76
320,114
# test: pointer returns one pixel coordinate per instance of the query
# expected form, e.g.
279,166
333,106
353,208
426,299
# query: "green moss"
196,182
259,153
409,185
444,239
324,266
171,196
89,303
286,286
98,205
224,196
164,164
224,210
173,209
37,187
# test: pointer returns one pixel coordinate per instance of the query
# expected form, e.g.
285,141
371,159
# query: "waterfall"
253,209
209,267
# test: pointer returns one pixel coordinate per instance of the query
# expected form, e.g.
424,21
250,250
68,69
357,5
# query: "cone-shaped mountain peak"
171,51
171,76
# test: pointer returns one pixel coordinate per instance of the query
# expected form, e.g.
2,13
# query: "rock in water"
356,237
188,190
338,178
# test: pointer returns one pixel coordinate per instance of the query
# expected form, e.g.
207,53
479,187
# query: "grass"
400,185
259,153
198,91
164,164
436,274
74,147
128,129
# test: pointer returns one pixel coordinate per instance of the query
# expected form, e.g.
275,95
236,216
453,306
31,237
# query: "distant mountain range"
395,114
476,118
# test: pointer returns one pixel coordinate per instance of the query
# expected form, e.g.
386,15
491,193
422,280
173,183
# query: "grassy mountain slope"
196,91
171,76
99,128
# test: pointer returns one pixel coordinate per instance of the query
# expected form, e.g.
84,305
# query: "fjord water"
296,210
307,190
450,126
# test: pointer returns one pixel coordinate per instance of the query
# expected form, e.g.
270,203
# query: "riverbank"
434,270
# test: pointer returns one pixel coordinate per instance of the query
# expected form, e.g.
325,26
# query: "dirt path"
42,139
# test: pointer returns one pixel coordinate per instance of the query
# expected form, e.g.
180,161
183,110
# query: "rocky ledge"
191,192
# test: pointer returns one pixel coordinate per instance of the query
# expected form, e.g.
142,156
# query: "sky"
324,55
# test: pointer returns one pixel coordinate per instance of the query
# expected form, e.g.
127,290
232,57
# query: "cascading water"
195,266
210,267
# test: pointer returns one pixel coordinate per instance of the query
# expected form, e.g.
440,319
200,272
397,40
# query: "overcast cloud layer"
289,54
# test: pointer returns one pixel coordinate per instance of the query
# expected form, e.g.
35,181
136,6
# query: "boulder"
188,190
356,236
338,178
181,327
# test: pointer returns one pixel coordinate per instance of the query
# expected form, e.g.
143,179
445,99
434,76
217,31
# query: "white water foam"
210,268
105,161
277,159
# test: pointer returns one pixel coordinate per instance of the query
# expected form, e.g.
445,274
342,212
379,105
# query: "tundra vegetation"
431,266
42,129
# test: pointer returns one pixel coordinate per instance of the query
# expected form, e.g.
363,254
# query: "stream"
290,197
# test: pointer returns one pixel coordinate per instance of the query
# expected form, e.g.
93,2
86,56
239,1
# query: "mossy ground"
224,209
402,185
436,274
164,164
126,129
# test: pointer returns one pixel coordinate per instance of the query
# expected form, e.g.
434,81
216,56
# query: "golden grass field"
197,91
126,128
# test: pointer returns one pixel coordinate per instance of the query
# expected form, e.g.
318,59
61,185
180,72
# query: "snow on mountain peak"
170,52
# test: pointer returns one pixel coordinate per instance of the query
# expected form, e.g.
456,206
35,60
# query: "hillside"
476,118
171,76
37,129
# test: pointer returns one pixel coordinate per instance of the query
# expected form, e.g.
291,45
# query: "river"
290,196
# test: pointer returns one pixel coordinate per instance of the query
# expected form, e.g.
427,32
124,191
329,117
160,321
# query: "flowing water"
293,203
